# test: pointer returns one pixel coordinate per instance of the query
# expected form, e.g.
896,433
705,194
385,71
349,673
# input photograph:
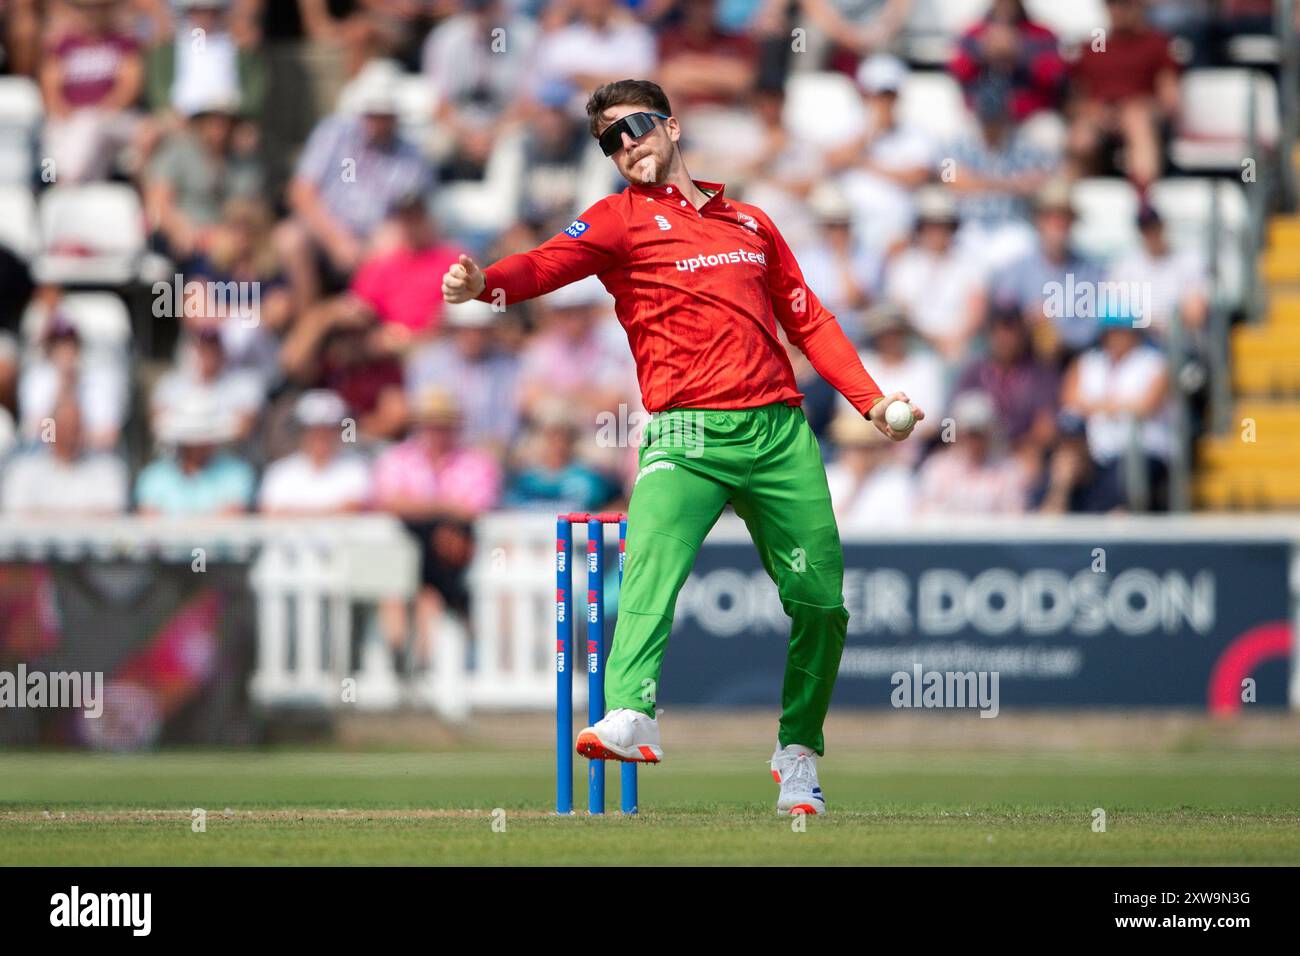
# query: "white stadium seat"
1106,223
18,230
823,108
932,101
1184,205
934,25
91,235
20,104
1213,129
1071,20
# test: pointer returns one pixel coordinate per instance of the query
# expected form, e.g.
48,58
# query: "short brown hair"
626,92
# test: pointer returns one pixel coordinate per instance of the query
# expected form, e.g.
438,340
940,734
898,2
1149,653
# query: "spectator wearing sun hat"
351,170
939,287
879,170
198,477
321,477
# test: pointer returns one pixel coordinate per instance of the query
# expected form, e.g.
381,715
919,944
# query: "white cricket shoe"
795,769
622,734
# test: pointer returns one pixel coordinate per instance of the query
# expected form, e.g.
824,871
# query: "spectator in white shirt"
604,43
898,357
1174,282
320,478
887,162
99,384
837,265
871,486
941,289
62,476
1121,388
204,372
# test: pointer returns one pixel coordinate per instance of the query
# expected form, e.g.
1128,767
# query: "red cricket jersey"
699,293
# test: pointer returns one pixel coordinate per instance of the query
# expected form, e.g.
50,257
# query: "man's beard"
646,169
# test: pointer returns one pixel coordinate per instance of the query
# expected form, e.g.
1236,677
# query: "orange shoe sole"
589,746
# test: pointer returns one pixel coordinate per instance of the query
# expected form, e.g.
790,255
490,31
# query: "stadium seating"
1184,204
91,235
823,108
18,230
1213,131
1106,226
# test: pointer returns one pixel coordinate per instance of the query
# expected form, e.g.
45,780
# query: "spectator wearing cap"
940,288
870,483
62,476
61,369
1175,279
972,474
199,477
320,477
478,85
437,486
1037,284
1025,389
881,168
1125,90
701,64
856,28
352,170
551,478
844,273
1121,389
995,174
194,173
91,75
469,363
596,42
184,76
1010,53
203,375
899,357
579,354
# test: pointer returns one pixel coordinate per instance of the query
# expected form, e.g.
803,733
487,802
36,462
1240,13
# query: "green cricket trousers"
766,463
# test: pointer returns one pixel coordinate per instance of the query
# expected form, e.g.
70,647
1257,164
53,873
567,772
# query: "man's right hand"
463,281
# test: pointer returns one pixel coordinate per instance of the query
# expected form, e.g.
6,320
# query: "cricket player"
700,282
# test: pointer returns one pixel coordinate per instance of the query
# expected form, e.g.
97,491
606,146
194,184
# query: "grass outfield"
331,807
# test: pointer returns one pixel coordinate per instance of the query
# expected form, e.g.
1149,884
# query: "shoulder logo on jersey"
664,224
576,228
748,221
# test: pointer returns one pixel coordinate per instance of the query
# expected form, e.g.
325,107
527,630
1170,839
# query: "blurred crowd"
271,143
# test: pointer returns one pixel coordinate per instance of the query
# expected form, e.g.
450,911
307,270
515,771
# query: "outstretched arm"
591,243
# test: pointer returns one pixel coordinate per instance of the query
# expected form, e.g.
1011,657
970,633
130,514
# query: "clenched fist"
463,281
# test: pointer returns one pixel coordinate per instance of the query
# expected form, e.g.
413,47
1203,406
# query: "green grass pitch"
489,806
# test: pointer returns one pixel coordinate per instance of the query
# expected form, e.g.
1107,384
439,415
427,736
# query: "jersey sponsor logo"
576,228
721,258
748,221
664,224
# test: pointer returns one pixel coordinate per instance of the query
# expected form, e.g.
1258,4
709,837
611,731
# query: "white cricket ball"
899,416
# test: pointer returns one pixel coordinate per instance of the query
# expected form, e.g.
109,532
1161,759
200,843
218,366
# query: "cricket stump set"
564,657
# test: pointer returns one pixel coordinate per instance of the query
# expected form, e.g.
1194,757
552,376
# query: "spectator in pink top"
437,487
90,77
401,282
